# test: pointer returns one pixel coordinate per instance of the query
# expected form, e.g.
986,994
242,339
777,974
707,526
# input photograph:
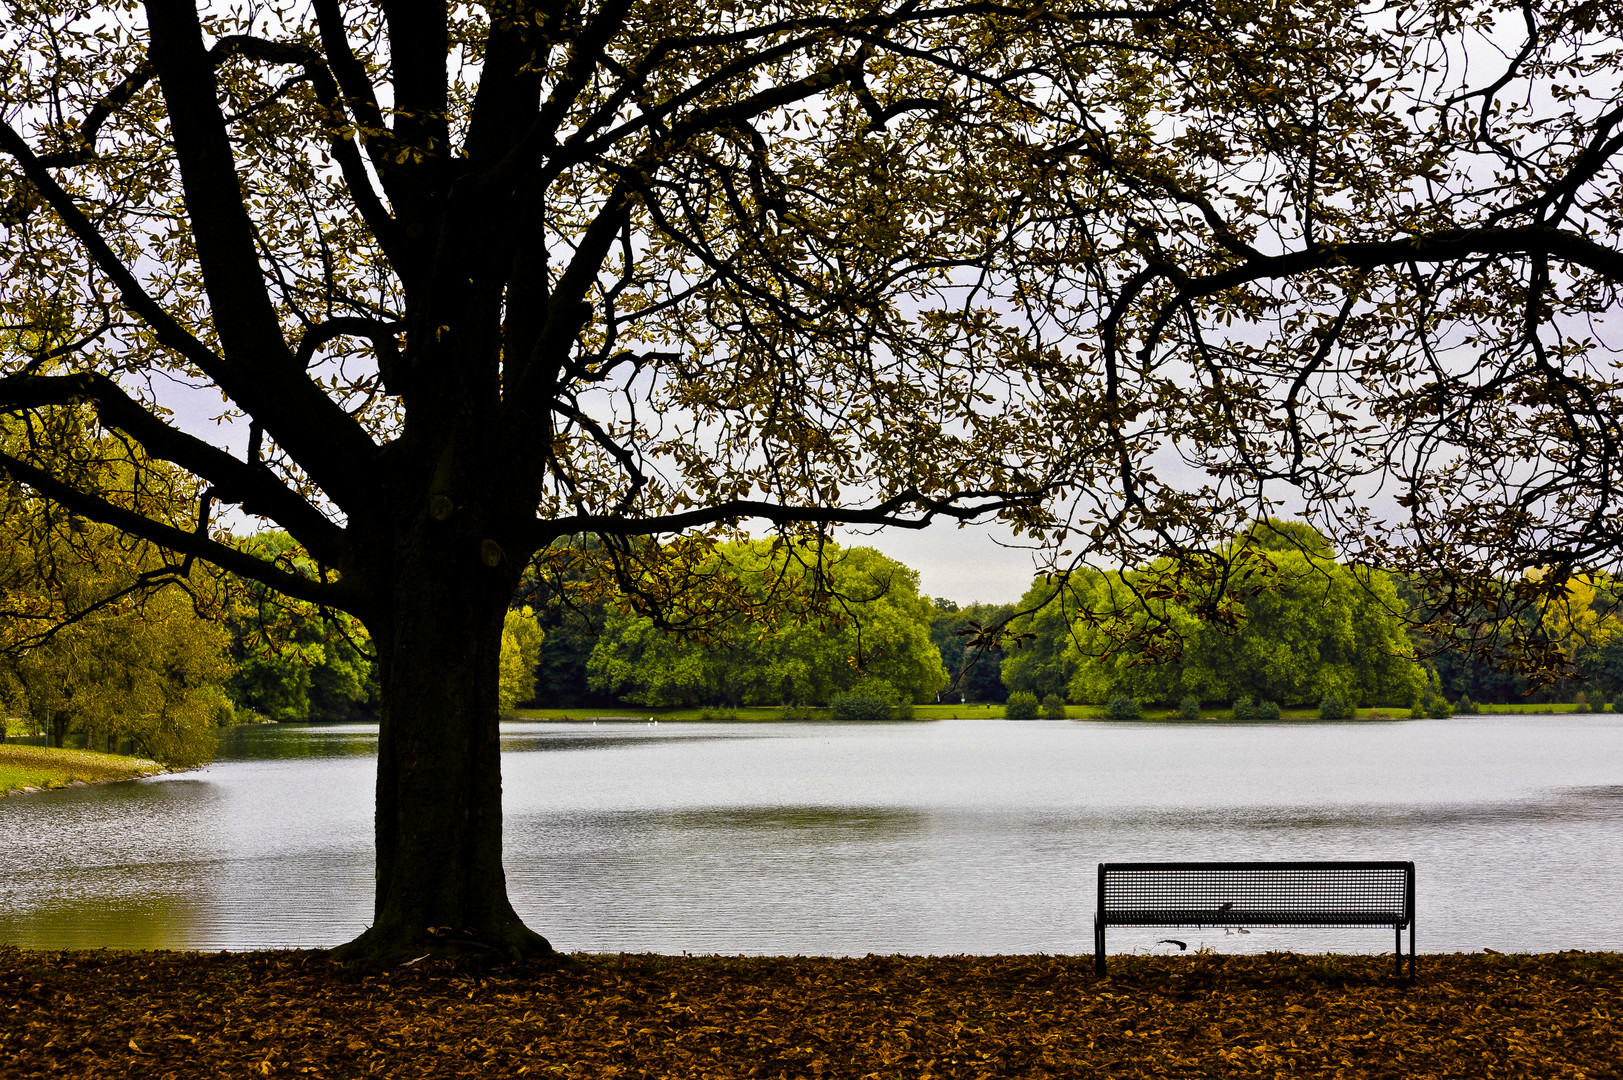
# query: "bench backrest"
1257,894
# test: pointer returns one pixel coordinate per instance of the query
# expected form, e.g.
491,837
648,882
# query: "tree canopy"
1311,628
294,661
872,635
99,634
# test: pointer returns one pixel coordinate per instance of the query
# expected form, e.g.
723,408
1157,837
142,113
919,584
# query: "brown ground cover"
295,1014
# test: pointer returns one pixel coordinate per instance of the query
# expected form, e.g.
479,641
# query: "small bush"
1244,708
1189,709
1581,702
1267,710
858,708
800,713
1465,706
1334,707
1053,707
1436,706
1022,705
1122,707
717,712
904,711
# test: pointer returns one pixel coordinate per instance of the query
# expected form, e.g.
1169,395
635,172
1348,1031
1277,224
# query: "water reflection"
953,837
270,742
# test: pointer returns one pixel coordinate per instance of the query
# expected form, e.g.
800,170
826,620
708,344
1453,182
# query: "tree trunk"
440,885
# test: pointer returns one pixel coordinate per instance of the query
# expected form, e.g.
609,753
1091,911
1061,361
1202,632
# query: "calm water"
951,837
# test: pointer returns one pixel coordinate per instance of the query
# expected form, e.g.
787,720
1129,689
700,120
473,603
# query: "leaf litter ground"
171,1014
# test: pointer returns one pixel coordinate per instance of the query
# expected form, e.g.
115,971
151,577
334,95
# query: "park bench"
1256,894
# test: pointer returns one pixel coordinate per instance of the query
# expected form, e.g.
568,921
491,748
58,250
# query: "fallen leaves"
176,1015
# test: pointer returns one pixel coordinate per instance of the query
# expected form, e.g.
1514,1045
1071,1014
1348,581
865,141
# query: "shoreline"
29,770
751,714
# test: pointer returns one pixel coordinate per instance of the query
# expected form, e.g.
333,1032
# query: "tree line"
162,668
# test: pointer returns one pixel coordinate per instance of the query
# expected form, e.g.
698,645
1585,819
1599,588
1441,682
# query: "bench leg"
1397,950
1411,950
1098,947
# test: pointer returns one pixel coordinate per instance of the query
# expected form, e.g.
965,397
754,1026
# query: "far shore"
970,711
25,769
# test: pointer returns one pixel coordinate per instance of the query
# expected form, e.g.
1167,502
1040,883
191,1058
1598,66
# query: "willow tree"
471,280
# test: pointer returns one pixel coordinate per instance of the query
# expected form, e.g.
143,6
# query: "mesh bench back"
1257,894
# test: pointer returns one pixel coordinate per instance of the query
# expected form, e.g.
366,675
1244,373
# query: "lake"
974,836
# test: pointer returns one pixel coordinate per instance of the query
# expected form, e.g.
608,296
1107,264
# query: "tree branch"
197,544
250,484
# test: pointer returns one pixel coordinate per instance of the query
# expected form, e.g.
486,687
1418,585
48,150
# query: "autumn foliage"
289,1014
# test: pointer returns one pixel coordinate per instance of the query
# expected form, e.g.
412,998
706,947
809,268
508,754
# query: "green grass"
973,711
46,767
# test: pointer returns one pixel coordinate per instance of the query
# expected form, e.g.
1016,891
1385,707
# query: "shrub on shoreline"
1022,705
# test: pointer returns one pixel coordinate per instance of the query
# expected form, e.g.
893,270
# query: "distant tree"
100,635
295,661
1038,660
1022,705
872,638
951,629
1122,707
521,651
1307,628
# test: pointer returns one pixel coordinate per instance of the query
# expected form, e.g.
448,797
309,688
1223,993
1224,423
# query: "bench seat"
1305,893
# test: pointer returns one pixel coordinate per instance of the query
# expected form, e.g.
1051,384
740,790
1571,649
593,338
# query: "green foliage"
1122,707
1580,702
106,637
872,638
1189,708
859,708
1305,627
1431,702
1042,663
951,629
1465,706
521,650
1022,705
797,713
1267,710
1244,709
295,662
1335,707
1053,707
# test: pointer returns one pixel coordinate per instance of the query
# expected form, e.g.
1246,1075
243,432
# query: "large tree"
479,279
473,280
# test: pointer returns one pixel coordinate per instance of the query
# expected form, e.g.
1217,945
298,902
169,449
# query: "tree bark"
441,888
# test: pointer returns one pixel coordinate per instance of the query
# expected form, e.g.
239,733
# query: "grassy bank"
293,1014
974,711
25,767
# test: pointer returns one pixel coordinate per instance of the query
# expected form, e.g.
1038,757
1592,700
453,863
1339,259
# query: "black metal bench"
1256,894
